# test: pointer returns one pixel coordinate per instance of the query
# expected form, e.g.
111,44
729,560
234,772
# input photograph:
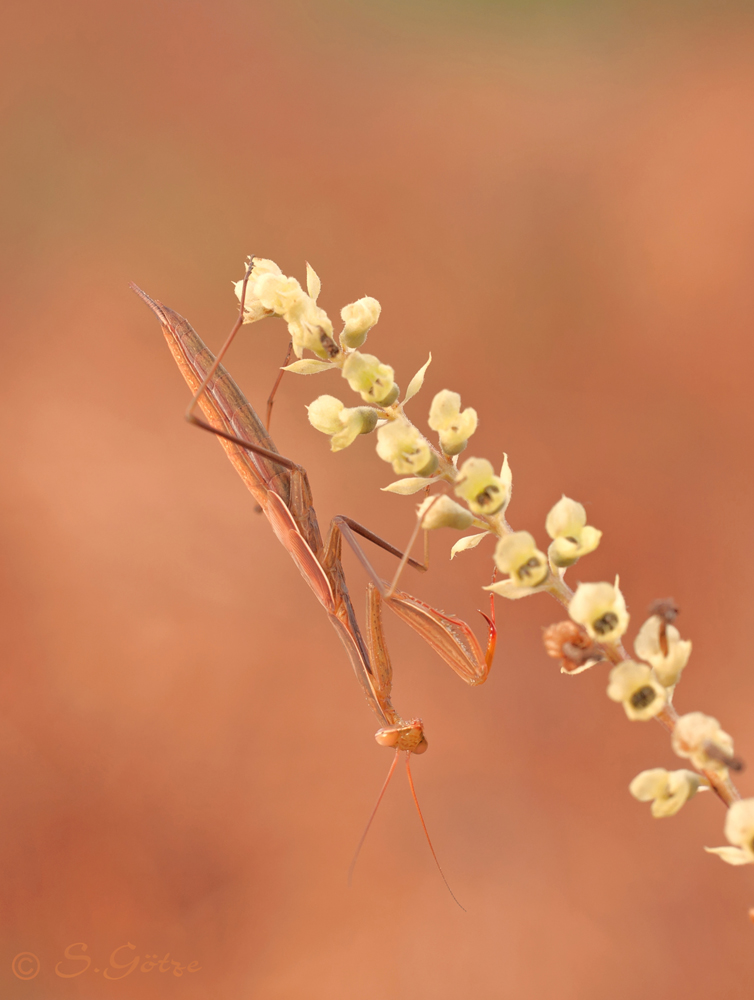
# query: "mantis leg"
451,638
278,380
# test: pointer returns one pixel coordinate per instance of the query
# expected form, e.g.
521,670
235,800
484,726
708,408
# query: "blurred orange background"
557,201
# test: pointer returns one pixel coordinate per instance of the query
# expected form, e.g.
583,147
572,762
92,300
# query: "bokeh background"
556,200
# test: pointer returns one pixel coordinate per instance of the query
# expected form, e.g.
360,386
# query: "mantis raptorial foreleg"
451,638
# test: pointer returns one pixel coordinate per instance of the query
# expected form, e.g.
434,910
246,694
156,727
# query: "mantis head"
406,736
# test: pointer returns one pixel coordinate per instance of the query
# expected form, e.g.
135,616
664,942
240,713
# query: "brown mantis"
281,489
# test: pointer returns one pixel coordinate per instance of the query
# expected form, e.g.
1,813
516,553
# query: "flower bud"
454,427
635,686
572,536
373,380
324,414
329,415
359,318
401,444
601,609
442,512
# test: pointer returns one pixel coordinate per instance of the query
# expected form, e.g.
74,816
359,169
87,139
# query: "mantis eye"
388,737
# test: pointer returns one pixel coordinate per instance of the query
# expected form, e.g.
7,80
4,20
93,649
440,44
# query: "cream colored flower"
647,646
369,377
669,789
359,318
739,830
401,444
483,491
329,415
572,536
518,555
279,294
310,328
454,427
601,609
324,414
269,292
635,686
442,512
700,738
253,308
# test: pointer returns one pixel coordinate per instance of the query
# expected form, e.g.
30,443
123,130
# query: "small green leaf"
417,381
511,590
313,284
469,542
407,486
309,366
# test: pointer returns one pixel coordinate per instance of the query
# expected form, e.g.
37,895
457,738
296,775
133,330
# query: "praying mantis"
281,489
